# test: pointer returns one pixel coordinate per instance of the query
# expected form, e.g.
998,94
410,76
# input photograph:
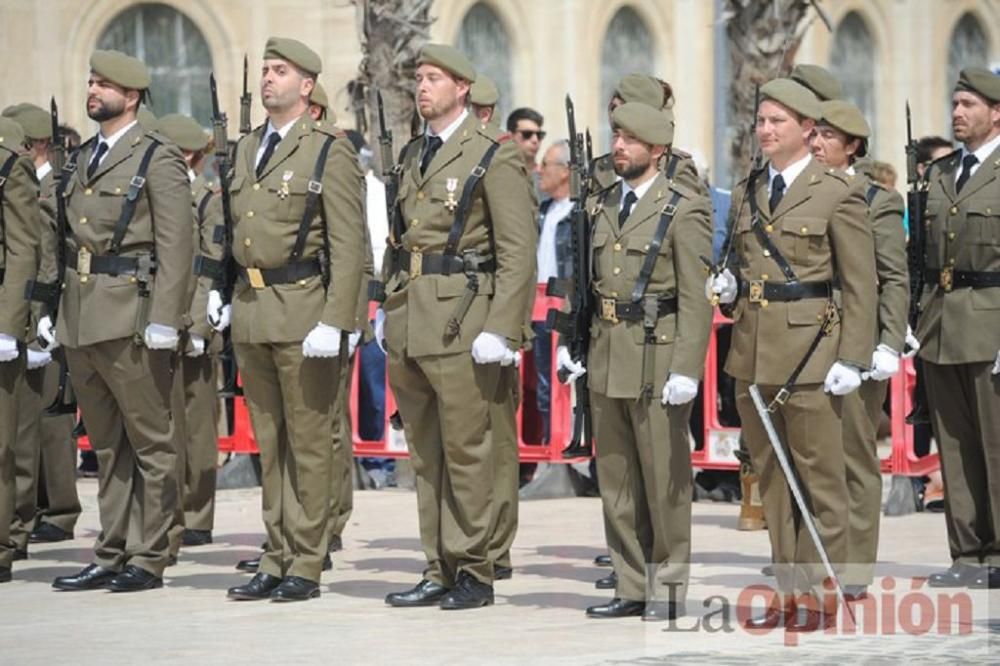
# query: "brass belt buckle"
83,263
608,312
416,263
756,291
947,278
256,278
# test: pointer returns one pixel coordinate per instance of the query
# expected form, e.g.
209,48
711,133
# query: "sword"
793,484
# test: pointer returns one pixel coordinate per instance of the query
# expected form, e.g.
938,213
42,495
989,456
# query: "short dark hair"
928,144
523,113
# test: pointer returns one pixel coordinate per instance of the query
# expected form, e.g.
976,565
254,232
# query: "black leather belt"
418,263
106,264
757,291
207,267
287,274
949,278
3,272
615,311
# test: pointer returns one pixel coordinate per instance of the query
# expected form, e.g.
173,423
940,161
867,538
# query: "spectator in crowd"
525,126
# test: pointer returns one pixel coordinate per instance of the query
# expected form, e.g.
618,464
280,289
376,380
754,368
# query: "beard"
633,169
106,111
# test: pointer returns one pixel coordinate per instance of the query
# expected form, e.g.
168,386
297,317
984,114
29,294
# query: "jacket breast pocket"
809,312
639,249
292,196
805,237
112,195
983,218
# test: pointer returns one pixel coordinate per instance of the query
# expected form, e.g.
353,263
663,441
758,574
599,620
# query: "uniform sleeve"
854,253
22,224
170,204
692,239
207,247
343,203
512,207
369,275
891,266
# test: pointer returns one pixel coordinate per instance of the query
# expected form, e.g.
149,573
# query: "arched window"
853,62
175,51
968,47
484,39
627,49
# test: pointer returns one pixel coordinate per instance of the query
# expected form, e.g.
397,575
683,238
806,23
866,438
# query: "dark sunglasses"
527,134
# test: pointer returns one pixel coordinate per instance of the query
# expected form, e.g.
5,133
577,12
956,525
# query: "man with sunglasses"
525,127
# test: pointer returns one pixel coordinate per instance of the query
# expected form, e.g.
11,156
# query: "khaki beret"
846,117
448,58
980,81
649,125
124,70
318,97
484,92
642,89
295,52
182,130
819,80
146,118
34,120
794,95
11,134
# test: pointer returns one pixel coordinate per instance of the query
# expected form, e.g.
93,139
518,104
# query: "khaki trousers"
506,466
342,460
11,376
201,416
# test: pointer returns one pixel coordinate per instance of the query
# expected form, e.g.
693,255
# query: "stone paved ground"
538,617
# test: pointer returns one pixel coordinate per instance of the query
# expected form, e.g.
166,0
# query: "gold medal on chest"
283,190
451,185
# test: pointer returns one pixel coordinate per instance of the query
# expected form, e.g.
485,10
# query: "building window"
484,40
853,62
627,49
968,48
174,50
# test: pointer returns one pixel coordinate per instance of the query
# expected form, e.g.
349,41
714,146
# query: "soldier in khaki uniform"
459,273
819,80
199,362
647,350
19,235
128,250
799,227
841,142
297,196
959,330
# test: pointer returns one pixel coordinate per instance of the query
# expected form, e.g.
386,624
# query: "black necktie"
777,191
272,142
968,162
430,150
626,210
95,161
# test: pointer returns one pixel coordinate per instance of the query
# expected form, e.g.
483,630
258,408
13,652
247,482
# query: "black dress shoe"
617,607
49,533
957,575
250,566
502,573
660,611
20,554
171,560
295,588
855,592
467,593
603,560
327,562
260,587
988,579
91,577
5,575
609,582
336,544
771,619
135,579
196,537
768,570
811,620
425,593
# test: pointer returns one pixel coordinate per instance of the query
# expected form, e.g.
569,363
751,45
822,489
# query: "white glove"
565,362
352,342
511,358
679,390
912,344
722,285
323,341
38,359
8,348
47,332
996,365
380,329
841,379
218,313
885,364
489,348
197,346
158,336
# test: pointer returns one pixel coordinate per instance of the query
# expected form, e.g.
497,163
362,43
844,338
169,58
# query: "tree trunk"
762,36
392,34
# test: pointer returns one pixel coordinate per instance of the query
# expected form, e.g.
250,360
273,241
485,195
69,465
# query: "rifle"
916,202
245,100
575,325
219,133
390,176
